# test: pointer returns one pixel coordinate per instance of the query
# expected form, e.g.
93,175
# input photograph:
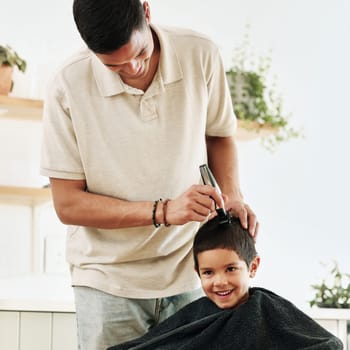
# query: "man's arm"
74,205
223,162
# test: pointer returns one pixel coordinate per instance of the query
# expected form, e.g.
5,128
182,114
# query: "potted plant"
256,104
8,60
333,291
331,302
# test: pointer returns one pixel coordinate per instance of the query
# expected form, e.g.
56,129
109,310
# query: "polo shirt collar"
169,63
109,83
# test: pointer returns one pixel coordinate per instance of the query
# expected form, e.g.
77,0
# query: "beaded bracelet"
155,204
165,206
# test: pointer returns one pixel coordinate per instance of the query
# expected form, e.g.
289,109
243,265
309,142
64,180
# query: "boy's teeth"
224,293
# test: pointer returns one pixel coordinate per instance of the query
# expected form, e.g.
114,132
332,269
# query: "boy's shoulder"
262,296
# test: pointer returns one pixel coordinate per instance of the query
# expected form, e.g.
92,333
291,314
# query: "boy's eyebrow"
226,265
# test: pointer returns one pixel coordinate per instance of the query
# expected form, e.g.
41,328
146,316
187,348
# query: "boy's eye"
206,273
231,269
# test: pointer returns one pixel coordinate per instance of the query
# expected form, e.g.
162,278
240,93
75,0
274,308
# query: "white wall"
301,191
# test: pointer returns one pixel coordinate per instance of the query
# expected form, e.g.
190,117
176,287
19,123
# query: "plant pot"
5,79
250,130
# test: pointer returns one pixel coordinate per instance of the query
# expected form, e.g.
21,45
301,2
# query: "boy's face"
225,276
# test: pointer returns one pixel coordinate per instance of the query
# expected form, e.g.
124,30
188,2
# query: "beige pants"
105,320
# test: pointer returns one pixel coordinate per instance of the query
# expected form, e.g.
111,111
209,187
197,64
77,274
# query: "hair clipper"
209,179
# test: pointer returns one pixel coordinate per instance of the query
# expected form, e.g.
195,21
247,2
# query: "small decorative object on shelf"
333,291
258,107
8,60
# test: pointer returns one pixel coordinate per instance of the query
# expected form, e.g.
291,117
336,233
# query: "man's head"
107,25
225,258
118,32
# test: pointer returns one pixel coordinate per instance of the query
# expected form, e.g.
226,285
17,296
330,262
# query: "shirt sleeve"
221,120
60,156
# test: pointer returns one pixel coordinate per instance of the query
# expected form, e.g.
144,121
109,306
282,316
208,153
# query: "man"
127,123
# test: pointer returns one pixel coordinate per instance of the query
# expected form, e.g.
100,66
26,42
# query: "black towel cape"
265,322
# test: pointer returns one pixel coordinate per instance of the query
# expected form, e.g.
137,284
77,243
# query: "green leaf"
10,57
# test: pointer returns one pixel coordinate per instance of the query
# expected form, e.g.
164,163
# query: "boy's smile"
225,276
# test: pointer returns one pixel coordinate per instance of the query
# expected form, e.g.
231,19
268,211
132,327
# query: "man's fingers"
243,217
253,224
247,218
210,191
255,235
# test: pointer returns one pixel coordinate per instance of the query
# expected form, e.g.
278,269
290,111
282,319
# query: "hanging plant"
256,104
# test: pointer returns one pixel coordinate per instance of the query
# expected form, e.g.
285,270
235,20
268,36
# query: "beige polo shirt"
136,146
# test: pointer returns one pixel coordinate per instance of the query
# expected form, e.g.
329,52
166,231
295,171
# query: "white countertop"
42,292
328,313
53,293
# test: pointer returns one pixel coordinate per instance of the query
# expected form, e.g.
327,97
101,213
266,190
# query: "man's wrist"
159,213
235,195
155,213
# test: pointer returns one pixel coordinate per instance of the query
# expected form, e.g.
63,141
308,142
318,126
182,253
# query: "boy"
233,316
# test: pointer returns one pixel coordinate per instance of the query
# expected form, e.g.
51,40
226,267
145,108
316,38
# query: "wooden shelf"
20,108
252,130
29,109
24,195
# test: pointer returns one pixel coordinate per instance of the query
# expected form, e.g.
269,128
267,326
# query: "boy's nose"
220,280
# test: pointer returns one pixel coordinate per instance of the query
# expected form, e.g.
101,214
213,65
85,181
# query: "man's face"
132,60
225,276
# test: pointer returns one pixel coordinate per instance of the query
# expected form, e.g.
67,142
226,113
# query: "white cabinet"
37,313
9,330
37,330
336,321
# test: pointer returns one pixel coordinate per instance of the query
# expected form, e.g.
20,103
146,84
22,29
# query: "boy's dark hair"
232,236
106,25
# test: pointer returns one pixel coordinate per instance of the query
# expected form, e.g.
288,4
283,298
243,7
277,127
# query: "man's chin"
139,75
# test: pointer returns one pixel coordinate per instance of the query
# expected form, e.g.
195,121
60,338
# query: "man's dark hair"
107,25
232,236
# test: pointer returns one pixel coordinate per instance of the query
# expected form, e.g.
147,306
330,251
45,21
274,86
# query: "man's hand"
196,204
223,162
245,214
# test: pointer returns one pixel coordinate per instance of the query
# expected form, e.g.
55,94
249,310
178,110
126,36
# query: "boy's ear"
254,265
